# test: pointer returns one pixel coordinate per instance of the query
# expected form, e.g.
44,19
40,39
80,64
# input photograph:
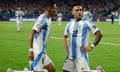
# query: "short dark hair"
49,3
75,4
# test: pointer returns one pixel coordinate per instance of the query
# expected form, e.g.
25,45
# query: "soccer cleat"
9,70
18,31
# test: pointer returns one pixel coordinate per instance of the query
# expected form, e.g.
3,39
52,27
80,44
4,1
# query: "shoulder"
69,24
41,17
71,21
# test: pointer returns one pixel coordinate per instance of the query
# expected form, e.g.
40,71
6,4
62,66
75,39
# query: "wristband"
92,45
30,49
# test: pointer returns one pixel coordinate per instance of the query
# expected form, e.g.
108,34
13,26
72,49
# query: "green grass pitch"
14,46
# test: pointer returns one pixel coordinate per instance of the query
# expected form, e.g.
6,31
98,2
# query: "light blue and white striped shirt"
78,33
87,16
42,26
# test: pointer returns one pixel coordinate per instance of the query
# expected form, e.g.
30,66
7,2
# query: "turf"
14,46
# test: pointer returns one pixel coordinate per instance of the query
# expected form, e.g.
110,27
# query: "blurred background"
101,9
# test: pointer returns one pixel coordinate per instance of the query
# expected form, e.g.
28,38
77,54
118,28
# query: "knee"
52,70
65,71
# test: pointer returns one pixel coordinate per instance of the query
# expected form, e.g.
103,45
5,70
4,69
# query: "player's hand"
31,55
87,48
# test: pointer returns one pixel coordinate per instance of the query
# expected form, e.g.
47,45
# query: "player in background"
39,61
112,17
59,18
87,14
77,48
19,14
119,18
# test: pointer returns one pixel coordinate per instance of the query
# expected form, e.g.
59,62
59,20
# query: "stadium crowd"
33,8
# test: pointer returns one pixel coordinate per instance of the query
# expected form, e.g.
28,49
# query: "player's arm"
31,38
65,43
98,37
31,56
66,34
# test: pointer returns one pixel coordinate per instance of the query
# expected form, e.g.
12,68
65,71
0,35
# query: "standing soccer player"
87,15
112,17
77,30
38,39
59,18
19,13
119,18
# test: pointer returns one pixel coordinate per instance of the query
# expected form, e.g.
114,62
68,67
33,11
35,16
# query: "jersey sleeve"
38,24
92,27
89,16
66,31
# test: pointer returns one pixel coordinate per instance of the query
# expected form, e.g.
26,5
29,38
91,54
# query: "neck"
78,19
47,14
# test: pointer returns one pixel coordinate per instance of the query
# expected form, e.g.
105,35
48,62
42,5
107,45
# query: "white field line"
47,71
114,44
106,43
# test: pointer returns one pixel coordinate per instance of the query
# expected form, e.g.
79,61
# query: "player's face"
77,12
52,10
19,8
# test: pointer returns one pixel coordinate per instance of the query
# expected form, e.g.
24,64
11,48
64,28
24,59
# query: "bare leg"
50,68
65,71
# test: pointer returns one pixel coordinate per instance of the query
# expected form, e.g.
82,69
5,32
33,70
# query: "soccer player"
39,60
87,15
77,30
59,18
112,17
19,13
119,18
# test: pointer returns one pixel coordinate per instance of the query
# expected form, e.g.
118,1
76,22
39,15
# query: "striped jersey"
78,33
87,16
42,26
